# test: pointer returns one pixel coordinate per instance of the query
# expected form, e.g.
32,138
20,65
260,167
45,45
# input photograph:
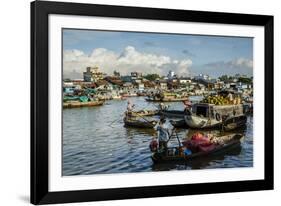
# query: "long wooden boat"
144,113
139,123
235,122
129,95
166,99
179,123
153,99
172,113
231,142
75,104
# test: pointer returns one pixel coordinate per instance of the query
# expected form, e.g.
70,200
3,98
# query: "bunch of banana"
217,100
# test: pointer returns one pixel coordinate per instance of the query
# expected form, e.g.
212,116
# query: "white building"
185,80
171,75
202,77
92,74
141,87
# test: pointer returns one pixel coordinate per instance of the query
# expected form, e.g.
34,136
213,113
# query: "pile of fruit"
217,100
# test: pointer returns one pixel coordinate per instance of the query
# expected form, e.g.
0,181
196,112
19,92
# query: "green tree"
151,77
245,80
223,78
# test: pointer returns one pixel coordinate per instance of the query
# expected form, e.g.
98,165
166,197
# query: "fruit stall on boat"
216,111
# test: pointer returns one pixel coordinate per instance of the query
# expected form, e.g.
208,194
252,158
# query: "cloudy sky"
187,55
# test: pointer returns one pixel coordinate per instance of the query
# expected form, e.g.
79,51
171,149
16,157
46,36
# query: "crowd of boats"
223,110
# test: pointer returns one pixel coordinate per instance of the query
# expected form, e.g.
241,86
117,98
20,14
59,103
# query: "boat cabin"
211,110
202,109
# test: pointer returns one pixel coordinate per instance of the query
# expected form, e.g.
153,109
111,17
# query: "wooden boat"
171,155
144,113
179,124
129,122
75,104
129,95
116,97
70,98
166,99
209,116
172,113
149,99
234,123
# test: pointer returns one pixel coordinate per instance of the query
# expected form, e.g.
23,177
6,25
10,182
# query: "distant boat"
167,97
117,97
75,104
151,99
129,95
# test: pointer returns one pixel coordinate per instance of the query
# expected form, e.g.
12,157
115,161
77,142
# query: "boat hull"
172,113
231,123
179,124
144,113
235,122
82,104
167,100
138,124
196,122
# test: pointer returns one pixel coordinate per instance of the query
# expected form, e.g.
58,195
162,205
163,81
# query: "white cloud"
127,61
235,63
241,62
231,67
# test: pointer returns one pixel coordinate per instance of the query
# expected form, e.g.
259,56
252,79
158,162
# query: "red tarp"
199,143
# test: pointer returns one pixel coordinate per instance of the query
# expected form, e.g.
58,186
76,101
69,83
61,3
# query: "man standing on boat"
164,131
130,107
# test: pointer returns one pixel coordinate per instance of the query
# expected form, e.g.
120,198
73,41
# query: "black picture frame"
39,101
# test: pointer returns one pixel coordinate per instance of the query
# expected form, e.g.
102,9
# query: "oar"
178,139
176,136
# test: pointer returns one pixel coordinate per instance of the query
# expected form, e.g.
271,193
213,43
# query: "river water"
95,141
